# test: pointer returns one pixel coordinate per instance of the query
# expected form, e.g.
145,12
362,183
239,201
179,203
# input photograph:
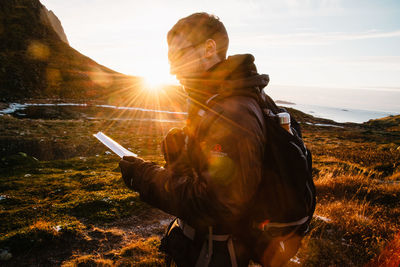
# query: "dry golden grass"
88,260
77,212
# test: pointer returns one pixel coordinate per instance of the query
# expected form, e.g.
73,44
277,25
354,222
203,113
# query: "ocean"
340,114
339,104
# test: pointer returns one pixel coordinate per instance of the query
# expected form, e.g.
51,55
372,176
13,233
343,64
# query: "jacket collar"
237,72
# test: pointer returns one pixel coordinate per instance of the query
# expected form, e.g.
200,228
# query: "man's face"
185,58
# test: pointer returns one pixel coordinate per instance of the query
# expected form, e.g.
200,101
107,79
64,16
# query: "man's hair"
198,28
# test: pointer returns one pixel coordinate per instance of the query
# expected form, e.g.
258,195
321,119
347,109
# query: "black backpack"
288,193
286,198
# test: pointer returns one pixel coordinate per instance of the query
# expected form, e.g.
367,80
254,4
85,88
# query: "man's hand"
173,145
128,165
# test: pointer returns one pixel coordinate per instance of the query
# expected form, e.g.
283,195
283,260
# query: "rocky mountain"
55,24
37,62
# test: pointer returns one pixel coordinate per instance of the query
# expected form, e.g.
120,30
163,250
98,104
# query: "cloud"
371,63
366,35
312,3
311,38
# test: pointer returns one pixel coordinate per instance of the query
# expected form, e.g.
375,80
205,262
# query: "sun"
155,83
156,75
152,85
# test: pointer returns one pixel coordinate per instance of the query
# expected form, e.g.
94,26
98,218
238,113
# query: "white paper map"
114,146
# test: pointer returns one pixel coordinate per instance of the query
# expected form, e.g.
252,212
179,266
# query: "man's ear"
210,48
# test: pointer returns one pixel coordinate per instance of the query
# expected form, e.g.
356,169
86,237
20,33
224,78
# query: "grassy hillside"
357,174
76,210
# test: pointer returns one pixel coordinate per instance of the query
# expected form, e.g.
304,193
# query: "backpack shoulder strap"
212,104
208,114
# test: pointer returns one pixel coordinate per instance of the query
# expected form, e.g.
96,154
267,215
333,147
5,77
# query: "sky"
299,43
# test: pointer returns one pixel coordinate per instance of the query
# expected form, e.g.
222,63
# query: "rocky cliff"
37,62
55,24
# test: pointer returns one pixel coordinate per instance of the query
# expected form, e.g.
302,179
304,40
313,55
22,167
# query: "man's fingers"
124,164
129,158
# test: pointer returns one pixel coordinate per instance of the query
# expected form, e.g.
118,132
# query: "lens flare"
38,50
152,85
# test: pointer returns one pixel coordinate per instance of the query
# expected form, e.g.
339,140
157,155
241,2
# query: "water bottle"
284,121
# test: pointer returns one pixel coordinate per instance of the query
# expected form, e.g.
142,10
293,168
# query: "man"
213,175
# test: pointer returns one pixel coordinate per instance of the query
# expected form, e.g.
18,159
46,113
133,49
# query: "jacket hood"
237,72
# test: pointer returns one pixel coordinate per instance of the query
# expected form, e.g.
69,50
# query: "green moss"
59,188
41,234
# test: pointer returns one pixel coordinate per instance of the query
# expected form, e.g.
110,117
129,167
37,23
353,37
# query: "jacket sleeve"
224,186
175,190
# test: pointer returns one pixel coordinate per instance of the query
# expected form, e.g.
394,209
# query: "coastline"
339,114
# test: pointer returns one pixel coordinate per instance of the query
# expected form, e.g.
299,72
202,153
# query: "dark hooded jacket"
215,180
